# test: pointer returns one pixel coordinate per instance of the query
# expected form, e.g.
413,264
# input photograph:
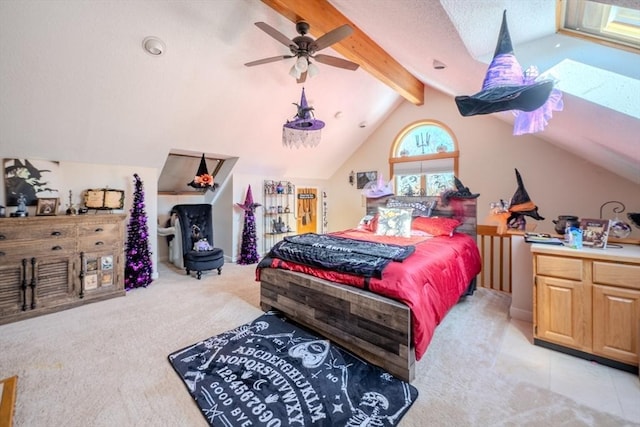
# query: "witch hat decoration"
521,203
504,87
248,204
461,192
202,179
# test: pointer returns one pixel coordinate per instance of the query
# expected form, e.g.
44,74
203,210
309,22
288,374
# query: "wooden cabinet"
47,263
587,302
279,212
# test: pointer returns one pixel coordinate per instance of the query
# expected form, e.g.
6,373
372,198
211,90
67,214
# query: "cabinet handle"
56,233
99,230
2,237
99,243
56,248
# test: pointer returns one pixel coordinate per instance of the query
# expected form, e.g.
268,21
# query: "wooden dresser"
586,302
54,263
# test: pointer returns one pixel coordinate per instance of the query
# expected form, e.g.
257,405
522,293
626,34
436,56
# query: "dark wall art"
363,178
32,178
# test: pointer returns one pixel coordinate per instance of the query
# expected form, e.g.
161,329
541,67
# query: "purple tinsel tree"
248,250
137,272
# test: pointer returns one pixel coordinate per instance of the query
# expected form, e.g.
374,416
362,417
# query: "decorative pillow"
368,223
420,207
394,222
435,226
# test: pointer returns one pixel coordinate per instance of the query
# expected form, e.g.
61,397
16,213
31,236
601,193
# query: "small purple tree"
249,248
138,269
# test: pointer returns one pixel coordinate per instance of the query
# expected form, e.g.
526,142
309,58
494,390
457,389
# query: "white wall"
556,181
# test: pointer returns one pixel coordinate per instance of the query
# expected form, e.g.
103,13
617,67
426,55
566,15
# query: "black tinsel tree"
137,272
249,248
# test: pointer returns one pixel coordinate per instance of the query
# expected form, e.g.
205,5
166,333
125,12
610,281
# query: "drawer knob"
56,233
98,230
2,253
99,243
2,237
56,248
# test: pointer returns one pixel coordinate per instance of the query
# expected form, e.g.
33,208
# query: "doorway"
307,210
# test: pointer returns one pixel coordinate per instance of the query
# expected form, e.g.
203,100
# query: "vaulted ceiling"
76,85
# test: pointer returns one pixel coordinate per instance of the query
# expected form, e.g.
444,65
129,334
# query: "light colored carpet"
105,364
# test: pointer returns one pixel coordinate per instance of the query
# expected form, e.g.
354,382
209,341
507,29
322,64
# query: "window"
424,159
602,20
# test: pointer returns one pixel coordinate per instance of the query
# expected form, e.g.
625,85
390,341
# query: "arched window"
424,159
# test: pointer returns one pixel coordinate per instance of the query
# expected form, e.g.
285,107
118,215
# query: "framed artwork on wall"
363,178
33,179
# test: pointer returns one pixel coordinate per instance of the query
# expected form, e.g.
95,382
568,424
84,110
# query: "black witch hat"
202,179
504,85
461,192
521,199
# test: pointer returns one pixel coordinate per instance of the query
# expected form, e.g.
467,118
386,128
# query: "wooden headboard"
464,210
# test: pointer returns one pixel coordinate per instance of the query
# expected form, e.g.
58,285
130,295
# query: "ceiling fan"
304,48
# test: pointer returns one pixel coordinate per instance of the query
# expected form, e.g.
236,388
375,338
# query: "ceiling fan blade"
336,62
302,78
267,60
333,36
275,34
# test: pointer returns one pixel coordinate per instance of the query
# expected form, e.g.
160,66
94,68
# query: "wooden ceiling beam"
359,48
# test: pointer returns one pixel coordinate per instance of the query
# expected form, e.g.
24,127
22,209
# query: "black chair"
196,227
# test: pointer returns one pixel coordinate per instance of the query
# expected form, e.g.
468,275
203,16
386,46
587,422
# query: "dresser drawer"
98,243
566,268
99,229
40,232
13,251
608,273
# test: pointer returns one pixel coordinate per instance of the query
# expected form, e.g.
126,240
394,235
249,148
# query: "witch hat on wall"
505,86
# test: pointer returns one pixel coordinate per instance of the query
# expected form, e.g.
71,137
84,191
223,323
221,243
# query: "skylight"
581,72
602,21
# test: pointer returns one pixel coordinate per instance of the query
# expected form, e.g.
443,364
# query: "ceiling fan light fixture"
302,64
313,69
293,72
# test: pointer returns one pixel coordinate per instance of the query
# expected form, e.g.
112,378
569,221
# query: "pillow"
394,222
420,208
368,223
435,226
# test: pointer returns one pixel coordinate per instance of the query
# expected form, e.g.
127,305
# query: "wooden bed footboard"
373,327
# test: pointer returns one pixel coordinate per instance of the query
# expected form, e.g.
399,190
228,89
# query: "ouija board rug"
272,373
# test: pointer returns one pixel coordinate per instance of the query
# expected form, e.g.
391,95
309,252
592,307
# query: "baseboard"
520,314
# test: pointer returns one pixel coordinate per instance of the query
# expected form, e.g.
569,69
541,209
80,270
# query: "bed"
386,316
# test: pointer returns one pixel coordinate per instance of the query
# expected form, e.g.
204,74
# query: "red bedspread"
430,281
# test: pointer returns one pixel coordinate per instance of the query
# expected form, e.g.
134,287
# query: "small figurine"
71,210
22,207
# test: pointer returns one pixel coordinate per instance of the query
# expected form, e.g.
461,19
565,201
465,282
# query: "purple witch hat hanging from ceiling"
303,130
506,87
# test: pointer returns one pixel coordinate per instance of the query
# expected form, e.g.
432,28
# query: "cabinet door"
101,273
52,282
616,320
12,293
563,312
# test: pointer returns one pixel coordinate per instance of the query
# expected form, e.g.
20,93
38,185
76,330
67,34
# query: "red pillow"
368,223
435,226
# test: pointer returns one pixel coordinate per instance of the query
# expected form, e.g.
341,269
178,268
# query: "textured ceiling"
76,85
